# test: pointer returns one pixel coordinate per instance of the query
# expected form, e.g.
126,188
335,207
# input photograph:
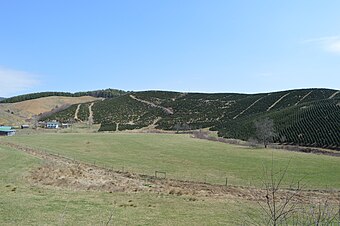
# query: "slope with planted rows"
307,117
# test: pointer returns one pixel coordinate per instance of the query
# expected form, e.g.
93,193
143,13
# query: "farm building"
42,124
52,125
65,125
6,131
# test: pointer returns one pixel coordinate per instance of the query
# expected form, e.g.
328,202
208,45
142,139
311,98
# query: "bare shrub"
282,206
200,134
320,213
252,142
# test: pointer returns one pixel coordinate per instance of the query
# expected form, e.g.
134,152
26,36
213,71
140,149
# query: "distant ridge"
105,93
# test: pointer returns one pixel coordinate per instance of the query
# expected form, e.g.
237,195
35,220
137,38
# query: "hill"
2,98
19,112
308,117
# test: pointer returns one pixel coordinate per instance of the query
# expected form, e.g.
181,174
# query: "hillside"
18,113
308,117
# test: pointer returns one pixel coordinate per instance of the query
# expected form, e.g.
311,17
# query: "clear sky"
184,45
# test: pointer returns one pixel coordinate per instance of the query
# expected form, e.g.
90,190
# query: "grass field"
22,203
186,158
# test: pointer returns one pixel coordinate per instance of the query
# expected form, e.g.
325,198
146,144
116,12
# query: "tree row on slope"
126,112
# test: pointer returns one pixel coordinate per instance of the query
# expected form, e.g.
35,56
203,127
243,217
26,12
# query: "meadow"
186,158
28,202
23,203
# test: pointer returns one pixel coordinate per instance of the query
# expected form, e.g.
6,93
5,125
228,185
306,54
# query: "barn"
6,131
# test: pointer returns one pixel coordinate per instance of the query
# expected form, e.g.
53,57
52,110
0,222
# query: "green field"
24,204
186,158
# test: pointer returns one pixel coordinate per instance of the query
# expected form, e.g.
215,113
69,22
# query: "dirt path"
248,107
304,97
166,110
91,114
334,94
276,102
60,171
76,113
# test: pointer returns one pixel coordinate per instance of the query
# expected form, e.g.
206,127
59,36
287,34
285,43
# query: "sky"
244,46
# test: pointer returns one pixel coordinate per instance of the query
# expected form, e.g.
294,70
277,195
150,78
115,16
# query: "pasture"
37,192
23,203
186,158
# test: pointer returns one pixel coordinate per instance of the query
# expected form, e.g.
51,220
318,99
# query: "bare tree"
279,205
282,206
265,131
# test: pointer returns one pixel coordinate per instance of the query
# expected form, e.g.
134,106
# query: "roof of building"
6,129
52,122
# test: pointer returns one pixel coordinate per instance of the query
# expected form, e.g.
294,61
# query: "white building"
52,125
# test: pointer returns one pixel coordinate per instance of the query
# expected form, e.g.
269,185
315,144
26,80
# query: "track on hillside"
166,110
76,113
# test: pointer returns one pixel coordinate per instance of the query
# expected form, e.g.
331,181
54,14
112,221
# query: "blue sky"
183,45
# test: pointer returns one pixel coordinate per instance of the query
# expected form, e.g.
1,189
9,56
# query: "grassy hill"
18,113
308,117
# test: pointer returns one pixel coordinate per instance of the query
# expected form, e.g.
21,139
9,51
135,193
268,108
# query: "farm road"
91,114
76,113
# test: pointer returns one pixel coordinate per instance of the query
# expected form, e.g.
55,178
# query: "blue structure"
6,131
52,125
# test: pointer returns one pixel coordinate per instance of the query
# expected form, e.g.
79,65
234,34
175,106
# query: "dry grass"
78,176
26,109
45,104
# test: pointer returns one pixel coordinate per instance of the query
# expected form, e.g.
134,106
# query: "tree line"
105,93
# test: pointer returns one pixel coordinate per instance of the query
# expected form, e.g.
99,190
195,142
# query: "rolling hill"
308,117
